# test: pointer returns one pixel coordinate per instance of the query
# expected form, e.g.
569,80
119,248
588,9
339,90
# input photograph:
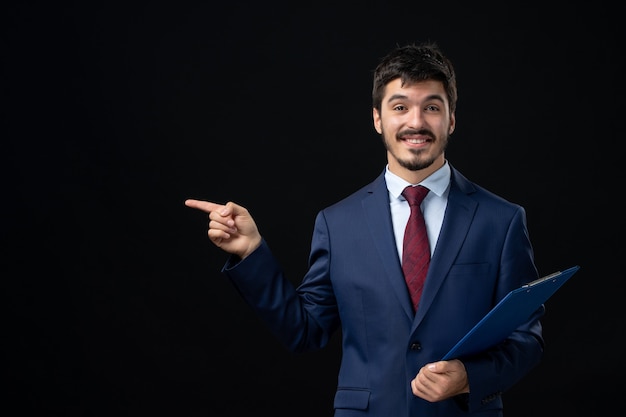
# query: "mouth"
416,141
416,137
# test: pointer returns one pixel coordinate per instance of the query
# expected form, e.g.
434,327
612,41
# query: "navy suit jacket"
355,284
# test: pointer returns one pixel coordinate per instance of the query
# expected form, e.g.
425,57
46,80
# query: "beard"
418,163
421,159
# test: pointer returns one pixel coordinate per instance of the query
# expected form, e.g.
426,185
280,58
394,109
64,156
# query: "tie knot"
415,195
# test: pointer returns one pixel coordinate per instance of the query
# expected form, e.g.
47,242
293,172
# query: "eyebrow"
404,97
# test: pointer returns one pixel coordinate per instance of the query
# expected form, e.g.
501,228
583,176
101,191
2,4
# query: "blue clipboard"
511,312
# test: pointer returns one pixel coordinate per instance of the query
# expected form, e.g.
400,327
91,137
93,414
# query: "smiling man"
478,246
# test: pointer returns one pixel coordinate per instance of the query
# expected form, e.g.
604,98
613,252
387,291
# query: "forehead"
417,90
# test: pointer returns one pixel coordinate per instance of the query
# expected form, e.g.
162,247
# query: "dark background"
115,114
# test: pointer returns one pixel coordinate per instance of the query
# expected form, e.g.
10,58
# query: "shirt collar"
437,182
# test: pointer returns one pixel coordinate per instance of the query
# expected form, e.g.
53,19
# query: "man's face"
415,123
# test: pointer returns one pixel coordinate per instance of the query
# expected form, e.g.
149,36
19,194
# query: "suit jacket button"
416,346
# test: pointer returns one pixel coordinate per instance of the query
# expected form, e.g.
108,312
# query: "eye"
399,107
432,108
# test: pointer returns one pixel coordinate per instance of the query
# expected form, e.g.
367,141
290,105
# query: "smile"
416,141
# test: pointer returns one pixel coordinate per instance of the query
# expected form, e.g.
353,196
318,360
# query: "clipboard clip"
542,279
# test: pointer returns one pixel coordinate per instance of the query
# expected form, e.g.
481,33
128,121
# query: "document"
512,311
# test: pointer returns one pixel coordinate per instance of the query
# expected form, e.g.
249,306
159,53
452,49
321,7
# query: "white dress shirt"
433,206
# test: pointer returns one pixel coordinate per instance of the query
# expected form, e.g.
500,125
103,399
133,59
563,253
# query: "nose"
416,119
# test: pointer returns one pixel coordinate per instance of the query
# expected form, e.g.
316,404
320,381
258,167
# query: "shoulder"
369,193
463,188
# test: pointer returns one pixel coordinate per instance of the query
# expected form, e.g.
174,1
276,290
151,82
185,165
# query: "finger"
225,224
205,206
419,389
217,236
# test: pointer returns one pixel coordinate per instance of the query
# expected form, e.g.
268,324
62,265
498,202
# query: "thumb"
232,209
437,367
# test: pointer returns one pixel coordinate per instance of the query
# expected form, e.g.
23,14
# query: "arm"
295,316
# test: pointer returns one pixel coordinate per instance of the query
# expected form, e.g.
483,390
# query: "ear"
377,121
452,123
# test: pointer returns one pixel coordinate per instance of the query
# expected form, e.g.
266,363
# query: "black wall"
114,115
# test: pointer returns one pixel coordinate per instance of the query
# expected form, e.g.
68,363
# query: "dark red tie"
416,250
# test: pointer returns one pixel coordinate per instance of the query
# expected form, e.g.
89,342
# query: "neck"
415,176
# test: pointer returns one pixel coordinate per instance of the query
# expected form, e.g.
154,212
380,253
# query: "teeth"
416,141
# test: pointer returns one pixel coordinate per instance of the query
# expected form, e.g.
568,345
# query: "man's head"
414,99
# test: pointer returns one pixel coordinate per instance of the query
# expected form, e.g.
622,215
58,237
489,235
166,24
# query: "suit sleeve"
493,372
303,318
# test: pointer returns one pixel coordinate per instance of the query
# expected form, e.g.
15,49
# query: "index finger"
202,205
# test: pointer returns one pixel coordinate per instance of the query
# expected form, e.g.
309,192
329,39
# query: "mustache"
408,132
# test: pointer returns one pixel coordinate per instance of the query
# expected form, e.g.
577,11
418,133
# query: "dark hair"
413,63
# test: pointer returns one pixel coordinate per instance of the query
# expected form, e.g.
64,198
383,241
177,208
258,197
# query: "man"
479,250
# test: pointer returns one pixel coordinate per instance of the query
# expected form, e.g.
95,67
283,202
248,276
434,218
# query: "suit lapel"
460,211
378,215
